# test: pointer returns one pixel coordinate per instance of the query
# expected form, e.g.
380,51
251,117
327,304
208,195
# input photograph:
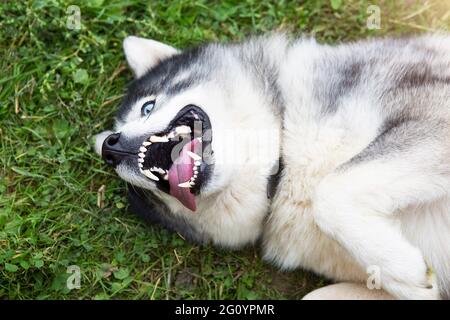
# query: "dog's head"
182,131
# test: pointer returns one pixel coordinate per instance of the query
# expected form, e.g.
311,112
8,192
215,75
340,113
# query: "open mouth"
178,158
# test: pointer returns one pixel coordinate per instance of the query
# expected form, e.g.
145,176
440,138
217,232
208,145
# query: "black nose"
112,153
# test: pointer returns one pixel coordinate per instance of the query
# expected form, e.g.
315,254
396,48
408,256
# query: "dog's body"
363,133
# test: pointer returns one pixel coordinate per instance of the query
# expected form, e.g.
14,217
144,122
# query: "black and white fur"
364,133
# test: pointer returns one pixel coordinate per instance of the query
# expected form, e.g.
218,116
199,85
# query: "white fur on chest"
313,146
292,238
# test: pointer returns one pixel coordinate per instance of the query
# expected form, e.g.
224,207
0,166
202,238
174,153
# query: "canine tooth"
150,175
194,155
192,183
183,130
146,143
171,135
159,139
140,165
143,149
159,170
142,155
166,177
140,160
186,184
197,163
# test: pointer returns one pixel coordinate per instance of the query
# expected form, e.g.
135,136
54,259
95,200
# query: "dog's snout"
112,153
112,139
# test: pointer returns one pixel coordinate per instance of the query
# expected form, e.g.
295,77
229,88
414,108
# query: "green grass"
59,86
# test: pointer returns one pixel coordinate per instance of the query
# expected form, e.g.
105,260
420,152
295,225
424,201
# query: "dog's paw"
416,283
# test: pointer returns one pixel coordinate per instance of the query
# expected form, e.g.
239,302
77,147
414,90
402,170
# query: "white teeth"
159,139
166,176
199,139
190,183
140,160
159,170
150,175
183,130
162,171
171,135
197,163
195,172
141,155
146,143
186,184
140,165
194,155
143,149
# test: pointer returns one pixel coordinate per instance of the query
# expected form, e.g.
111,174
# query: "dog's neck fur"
263,58
220,215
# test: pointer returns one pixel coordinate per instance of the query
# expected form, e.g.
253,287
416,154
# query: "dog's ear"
142,54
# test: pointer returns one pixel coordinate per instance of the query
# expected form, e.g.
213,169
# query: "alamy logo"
374,279
74,280
374,18
73,17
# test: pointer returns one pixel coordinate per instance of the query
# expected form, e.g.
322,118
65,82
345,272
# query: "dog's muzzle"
112,150
178,159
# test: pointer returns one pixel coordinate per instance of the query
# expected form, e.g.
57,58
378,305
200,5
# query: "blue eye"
147,107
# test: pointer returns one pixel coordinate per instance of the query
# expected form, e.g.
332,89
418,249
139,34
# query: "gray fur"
338,109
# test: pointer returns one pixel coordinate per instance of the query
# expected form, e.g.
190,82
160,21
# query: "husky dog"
351,141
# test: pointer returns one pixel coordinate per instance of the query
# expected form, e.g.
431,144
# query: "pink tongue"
181,171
